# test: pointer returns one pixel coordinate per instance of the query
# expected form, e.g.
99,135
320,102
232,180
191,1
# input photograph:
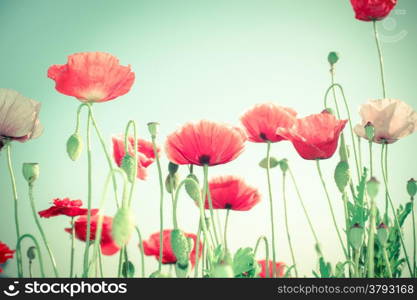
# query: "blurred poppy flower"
107,244
205,143
151,247
144,152
280,267
231,192
392,120
372,10
5,254
19,117
315,136
92,77
262,121
66,207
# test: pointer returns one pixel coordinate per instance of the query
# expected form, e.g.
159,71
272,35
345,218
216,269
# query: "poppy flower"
92,77
107,244
315,136
392,120
262,121
205,143
145,153
66,207
151,247
5,254
280,268
19,117
372,10
231,192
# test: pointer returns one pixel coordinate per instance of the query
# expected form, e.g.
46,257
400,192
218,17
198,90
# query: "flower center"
228,206
204,159
263,136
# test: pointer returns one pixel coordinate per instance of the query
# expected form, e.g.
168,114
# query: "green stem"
346,214
414,239
208,196
72,248
387,263
356,266
371,241
263,238
360,152
38,224
381,59
142,255
30,269
331,208
225,228
197,250
371,159
286,223
100,260
135,149
16,207
18,248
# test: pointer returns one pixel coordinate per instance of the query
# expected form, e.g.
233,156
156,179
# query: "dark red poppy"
66,207
5,254
107,244
151,247
231,192
280,268
145,153
372,10
315,136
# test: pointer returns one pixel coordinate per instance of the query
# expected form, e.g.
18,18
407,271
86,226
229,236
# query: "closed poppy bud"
153,128
180,247
372,187
30,253
128,269
356,234
192,188
171,182
411,188
123,225
273,162
30,172
332,58
128,165
342,175
370,131
328,110
283,164
382,234
222,270
172,168
74,146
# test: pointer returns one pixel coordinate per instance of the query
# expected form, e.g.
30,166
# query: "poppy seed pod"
30,253
382,234
128,165
369,131
192,188
283,164
180,247
171,182
173,168
74,146
342,175
153,128
372,187
333,58
356,235
30,172
123,226
412,188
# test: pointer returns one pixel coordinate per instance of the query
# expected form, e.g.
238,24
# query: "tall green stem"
142,255
132,124
371,240
371,159
331,208
263,238
357,256
225,228
210,203
387,262
414,239
19,246
72,248
16,208
38,224
381,59
197,249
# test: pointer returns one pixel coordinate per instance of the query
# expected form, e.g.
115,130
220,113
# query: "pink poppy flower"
66,207
92,77
19,117
280,267
370,10
392,119
262,121
205,143
5,254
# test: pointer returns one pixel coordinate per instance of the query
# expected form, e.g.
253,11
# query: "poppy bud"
172,168
356,234
30,253
372,187
411,188
192,188
182,271
153,128
30,172
333,57
370,131
128,269
123,226
222,270
74,146
342,175
273,162
171,183
128,165
382,234
283,164
328,110
180,247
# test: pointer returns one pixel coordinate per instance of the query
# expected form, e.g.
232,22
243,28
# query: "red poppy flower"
315,136
92,77
107,244
262,121
231,192
145,153
151,247
66,207
371,10
205,143
280,268
5,254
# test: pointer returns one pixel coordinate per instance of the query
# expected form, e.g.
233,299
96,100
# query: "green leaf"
273,162
128,269
244,261
325,269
